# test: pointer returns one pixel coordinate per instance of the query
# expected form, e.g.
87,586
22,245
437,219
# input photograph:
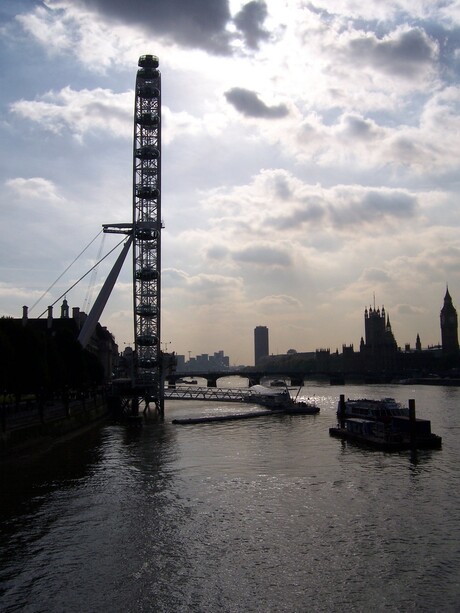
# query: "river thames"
263,515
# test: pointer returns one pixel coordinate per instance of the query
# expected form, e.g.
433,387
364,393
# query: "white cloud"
33,189
315,163
98,110
67,29
277,201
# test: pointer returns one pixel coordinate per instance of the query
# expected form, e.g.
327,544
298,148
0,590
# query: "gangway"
222,394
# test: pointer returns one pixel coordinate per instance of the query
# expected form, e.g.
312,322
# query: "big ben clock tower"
449,326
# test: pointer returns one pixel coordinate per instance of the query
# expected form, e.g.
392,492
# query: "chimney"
49,321
24,315
76,315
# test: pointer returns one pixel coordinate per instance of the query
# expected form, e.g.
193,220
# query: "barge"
389,430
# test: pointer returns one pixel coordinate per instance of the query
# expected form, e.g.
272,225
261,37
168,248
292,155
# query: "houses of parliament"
379,356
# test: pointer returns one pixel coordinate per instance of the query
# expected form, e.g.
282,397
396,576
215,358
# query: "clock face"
449,319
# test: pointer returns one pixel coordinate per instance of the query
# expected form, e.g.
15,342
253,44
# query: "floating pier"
229,417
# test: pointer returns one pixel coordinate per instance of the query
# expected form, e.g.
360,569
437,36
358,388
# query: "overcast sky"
310,162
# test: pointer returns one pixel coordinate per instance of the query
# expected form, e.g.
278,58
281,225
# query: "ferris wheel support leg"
95,313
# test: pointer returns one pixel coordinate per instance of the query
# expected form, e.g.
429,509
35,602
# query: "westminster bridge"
254,377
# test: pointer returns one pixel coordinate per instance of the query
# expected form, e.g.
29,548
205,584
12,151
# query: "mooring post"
135,406
342,410
412,423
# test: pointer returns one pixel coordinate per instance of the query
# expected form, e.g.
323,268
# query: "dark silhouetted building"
379,349
379,358
378,331
101,344
260,344
449,326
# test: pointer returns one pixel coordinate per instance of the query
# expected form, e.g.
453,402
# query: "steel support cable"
83,276
62,274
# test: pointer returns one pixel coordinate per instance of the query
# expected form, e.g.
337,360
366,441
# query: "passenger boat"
267,397
387,425
299,407
280,400
277,383
364,408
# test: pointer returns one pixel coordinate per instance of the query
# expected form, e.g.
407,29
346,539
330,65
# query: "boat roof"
266,391
359,420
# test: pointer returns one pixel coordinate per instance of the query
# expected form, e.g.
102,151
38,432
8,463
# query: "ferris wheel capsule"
148,61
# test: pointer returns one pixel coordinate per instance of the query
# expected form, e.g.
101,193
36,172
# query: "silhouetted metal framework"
147,229
146,381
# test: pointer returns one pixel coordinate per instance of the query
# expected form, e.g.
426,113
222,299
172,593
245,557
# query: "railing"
32,413
222,394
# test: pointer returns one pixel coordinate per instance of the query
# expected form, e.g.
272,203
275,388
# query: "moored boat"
367,432
278,383
365,408
268,397
280,400
387,426
302,408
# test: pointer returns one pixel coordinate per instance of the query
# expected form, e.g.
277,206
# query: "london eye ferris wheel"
147,225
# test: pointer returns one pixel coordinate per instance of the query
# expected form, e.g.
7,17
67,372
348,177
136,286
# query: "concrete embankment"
34,429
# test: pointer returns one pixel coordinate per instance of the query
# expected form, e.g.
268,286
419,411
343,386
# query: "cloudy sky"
310,155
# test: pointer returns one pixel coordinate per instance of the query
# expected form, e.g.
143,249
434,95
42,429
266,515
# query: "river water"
263,515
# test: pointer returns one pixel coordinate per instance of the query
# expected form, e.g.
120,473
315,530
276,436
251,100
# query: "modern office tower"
260,344
449,326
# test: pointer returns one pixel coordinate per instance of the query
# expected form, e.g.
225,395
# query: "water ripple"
265,515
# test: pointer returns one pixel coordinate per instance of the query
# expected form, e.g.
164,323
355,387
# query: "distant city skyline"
310,160
261,335
376,328
448,331
216,361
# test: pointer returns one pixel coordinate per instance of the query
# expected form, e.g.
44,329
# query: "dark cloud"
392,204
309,213
359,128
405,150
406,55
282,188
375,207
192,23
249,104
249,21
